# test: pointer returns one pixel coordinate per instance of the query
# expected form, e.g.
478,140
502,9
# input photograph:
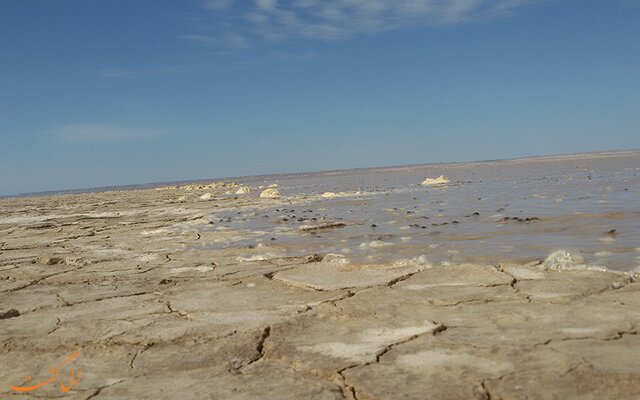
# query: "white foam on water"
375,244
335,260
258,257
569,260
420,261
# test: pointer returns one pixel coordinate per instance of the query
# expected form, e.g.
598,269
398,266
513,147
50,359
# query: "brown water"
491,212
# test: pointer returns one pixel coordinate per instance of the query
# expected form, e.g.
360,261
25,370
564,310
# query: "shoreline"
284,175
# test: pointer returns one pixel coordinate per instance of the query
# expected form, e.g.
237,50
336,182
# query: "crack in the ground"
333,301
575,367
349,392
265,335
481,392
65,303
513,283
399,279
389,284
266,332
613,286
55,328
619,335
469,301
36,281
69,304
137,353
101,388
178,313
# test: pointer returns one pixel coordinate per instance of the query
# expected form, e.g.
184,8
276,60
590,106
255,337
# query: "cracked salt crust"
202,268
369,342
442,359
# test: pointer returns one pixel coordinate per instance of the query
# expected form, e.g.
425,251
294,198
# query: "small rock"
441,180
46,260
270,193
12,313
77,261
206,196
243,190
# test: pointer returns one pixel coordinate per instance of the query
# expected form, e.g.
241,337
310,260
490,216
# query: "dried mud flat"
120,277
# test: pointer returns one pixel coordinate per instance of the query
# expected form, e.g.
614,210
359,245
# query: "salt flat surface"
512,280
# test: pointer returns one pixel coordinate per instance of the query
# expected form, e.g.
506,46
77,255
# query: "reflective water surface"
491,212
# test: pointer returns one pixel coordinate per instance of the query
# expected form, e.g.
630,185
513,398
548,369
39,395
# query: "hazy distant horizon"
150,185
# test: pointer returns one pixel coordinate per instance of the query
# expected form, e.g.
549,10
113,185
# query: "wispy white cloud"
99,132
339,19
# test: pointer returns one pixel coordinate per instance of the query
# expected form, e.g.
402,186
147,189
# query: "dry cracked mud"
125,278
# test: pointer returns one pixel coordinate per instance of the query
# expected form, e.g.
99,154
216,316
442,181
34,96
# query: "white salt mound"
182,199
329,195
563,259
441,180
206,196
271,193
243,190
569,260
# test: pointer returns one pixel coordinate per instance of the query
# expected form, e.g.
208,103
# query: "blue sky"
97,93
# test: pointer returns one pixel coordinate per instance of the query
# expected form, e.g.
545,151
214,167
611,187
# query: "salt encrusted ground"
115,276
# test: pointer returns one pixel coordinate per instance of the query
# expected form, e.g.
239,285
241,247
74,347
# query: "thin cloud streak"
331,20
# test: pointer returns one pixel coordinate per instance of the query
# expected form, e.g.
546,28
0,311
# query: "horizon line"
156,184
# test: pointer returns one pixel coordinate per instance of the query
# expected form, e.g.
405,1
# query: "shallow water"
572,203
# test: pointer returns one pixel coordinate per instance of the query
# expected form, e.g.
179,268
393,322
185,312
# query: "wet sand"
513,280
